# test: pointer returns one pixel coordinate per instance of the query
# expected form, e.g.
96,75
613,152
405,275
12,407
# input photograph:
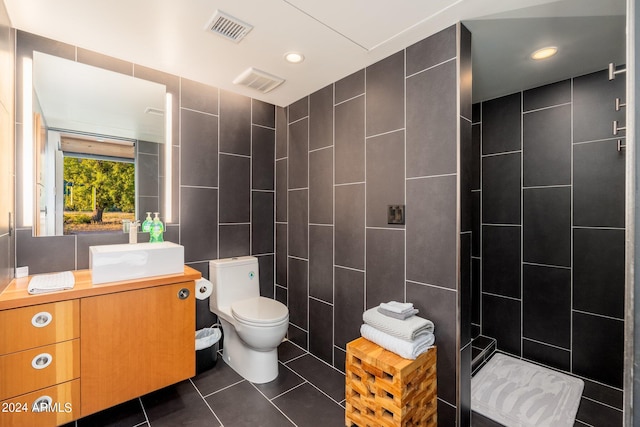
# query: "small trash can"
207,344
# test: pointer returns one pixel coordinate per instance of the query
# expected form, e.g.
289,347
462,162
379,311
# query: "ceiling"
336,37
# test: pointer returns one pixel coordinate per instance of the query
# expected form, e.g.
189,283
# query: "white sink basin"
113,263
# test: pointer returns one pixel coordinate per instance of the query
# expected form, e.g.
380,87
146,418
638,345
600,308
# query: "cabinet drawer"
38,368
38,325
64,407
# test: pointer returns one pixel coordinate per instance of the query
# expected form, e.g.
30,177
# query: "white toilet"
253,326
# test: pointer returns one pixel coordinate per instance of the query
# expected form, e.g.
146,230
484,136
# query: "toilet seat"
259,311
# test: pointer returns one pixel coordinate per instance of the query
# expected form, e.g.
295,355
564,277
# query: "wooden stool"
385,390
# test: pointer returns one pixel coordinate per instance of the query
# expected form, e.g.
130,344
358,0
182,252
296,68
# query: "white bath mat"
521,394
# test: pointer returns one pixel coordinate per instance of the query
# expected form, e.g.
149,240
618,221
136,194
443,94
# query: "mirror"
97,138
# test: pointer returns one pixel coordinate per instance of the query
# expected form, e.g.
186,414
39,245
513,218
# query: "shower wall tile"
501,260
281,190
476,153
235,189
199,97
501,124
598,271
262,158
321,330
385,95
298,154
235,123
199,149
235,240
546,306
349,141
464,290
547,226
299,109
298,223
262,223
348,305
547,355
265,264
321,118
598,185
282,131
501,320
385,266
281,254
263,114
475,291
385,177
547,96
431,51
349,87
350,225
200,243
321,186
501,189
432,127
431,231
321,262
547,147
475,223
298,292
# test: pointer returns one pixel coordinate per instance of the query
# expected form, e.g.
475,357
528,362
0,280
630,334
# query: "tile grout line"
144,411
205,402
273,404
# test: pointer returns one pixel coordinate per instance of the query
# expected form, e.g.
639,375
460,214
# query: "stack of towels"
395,327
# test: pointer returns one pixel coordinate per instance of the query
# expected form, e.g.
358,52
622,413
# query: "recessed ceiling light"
544,53
294,57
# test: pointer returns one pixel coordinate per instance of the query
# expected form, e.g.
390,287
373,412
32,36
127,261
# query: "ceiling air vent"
228,27
258,80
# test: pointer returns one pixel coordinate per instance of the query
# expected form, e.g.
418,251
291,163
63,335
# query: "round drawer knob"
41,361
183,293
42,319
41,404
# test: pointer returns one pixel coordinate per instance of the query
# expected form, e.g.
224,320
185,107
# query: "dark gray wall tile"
501,124
147,171
348,305
147,204
281,295
148,147
263,114
547,96
501,320
262,223
465,165
501,189
299,109
431,231
546,305
592,413
385,266
198,96
235,123
476,112
282,130
476,156
321,330
281,254
266,265
86,240
281,190
598,271
432,51
321,186
298,154
199,150
262,158
200,243
501,260
547,355
298,292
321,118
349,87
475,291
603,393
385,177
321,262
593,102
432,127
598,185
546,139
385,95
339,358
235,189
475,224
350,225
465,386
547,226
349,141
442,314
298,223
464,290
235,240
298,336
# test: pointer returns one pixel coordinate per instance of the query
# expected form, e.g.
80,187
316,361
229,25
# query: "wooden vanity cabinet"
135,342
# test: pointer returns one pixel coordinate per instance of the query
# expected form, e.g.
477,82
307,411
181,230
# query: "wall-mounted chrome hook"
613,71
617,128
620,145
619,104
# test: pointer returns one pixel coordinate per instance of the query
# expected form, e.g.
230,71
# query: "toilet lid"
259,310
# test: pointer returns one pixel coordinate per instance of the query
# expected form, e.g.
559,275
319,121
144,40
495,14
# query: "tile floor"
307,393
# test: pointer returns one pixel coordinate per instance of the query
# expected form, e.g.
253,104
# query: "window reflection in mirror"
96,136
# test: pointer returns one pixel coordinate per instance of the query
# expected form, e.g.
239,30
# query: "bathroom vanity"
79,351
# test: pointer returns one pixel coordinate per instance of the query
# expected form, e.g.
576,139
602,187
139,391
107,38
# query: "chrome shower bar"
613,72
617,128
619,104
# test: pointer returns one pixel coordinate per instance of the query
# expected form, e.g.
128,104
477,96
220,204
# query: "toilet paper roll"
203,289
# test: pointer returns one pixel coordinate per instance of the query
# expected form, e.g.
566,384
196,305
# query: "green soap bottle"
146,225
157,228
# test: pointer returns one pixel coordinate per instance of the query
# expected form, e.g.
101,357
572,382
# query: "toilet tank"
233,279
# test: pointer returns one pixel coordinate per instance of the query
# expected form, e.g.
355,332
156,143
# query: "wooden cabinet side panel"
135,342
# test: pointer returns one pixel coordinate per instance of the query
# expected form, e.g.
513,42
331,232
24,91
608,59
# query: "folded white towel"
397,307
408,329
406,349
401,316
51,282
